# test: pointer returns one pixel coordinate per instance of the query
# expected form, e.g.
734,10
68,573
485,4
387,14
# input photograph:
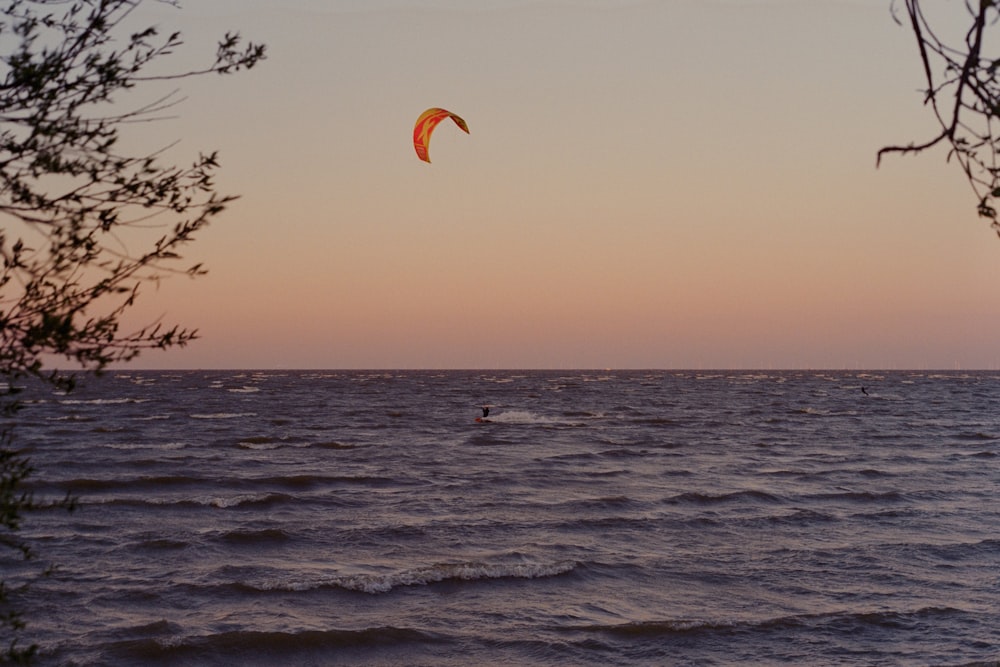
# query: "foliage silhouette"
963,93
86,223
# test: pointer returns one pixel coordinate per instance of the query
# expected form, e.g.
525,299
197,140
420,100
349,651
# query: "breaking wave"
443,572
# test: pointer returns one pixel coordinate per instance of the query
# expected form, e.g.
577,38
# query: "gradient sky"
647,184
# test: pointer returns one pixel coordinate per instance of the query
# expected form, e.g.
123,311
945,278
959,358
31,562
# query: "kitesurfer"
486,411
864,391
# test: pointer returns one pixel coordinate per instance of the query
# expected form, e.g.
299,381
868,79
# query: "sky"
646,184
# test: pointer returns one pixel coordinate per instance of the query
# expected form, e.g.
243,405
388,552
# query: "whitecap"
457,571
224,415
129,446
259,446
225,502
524,417
102,401
374,584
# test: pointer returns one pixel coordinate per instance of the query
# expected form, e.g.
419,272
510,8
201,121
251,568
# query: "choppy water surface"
603,518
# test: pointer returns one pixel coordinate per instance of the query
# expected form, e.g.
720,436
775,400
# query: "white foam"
524,417
125,446
224,415
383,583
102,401
219,501
260,446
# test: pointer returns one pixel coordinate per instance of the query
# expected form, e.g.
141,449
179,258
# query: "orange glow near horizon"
652,203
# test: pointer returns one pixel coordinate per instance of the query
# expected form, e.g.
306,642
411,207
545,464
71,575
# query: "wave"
375,584
84,484
102,401
862,496
85,496
976,435
224,415
952,553
246,500
331,444
256,537
262,443
843,622
160,627
160,483
810,411
798,517
605,501
268,443
312,481
623,452
164,544
659,421
255,500
131,446
711,499
257,646
528,417
113,429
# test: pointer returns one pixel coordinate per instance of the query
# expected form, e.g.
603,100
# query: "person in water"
486,411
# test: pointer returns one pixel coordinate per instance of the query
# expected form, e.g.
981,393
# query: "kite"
425,126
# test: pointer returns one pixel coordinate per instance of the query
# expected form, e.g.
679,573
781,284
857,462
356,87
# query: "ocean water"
601,518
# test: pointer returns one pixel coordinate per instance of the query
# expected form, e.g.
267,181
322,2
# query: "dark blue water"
603,518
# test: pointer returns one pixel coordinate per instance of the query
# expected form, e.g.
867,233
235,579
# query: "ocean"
599,518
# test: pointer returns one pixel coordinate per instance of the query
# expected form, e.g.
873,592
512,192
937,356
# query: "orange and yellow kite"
425,127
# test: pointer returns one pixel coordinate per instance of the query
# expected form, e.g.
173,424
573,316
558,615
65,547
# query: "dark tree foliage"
84,223
963,93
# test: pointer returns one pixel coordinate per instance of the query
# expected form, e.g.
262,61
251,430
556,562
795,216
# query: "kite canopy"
425,125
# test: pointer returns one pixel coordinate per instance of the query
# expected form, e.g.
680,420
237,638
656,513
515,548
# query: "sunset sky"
647,184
